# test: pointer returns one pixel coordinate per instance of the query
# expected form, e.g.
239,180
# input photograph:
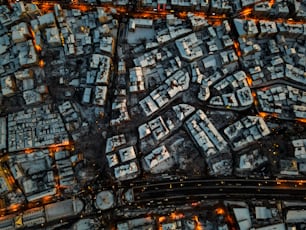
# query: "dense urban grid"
153,114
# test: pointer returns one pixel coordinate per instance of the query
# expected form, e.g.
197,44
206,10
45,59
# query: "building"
6,186
35,128
3,134
137,84
85,224
250,161
205,134
166,92
27,54
177,224
281,9
197,75
10,16
47,20
8,86
220,164
63,209
119,108
25,169
280,226
288,167
228,57
156,127
144,223
245,28
294,73
31,217
32,97
20,32
127,154
141,22
262,9
127,171
245,3
7,222
189,47
296,216
102,64
299,148
86,96
246,131
53,37
263,213
204,5
102,15
220,6
267,29
240,96
156,157
182,111
105,200
170,18
121,67
112,159
273,99
100,95
71,116
227,41
121,159
64,165
243,217
107,45
147,60
112,143
132,25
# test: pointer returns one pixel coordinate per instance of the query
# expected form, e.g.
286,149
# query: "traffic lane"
229,181
188,191
189,183
196,198
219,184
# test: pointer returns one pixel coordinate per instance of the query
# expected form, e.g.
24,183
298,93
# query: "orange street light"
161,219
41,63
220,211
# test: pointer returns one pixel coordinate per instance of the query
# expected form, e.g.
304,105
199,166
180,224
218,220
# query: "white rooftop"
243,218
105,200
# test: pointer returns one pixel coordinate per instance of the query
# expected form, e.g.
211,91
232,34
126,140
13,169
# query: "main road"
192,190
